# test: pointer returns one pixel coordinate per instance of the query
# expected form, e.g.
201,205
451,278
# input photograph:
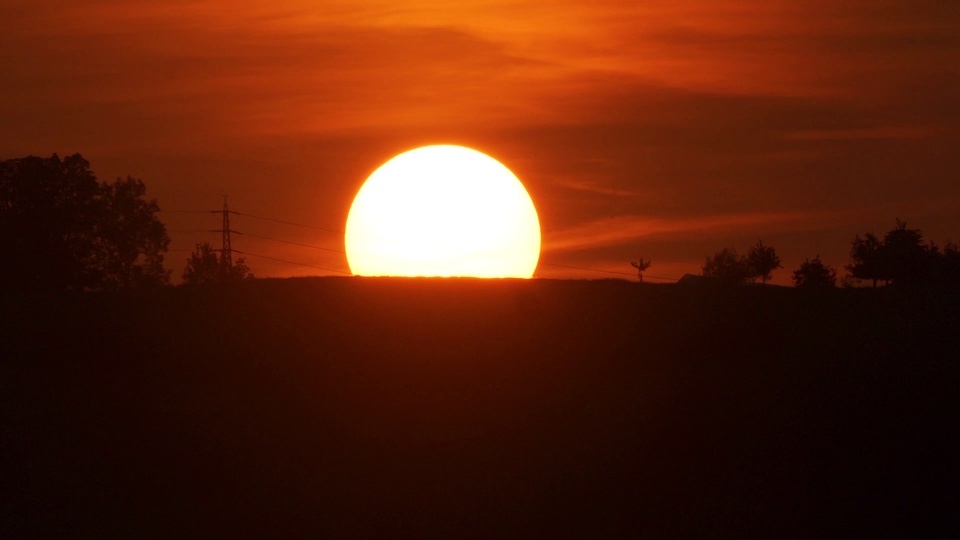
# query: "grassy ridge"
381,407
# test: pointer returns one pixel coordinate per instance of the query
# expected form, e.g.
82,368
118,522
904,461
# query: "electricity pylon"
226,250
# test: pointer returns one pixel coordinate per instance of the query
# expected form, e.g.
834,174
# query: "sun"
446,211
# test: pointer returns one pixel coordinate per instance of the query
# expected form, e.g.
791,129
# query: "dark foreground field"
348,407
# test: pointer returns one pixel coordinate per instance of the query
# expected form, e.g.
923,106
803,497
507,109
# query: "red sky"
667,129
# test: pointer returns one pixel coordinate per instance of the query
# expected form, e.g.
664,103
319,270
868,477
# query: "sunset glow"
496,268
668,128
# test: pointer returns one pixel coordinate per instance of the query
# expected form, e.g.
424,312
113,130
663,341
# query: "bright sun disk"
443,211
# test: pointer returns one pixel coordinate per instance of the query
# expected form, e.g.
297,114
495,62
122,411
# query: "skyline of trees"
727,265
85,234
902,257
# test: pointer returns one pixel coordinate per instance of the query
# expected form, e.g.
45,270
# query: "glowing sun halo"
443,211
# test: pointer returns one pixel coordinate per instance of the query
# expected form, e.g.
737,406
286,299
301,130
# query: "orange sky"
664,128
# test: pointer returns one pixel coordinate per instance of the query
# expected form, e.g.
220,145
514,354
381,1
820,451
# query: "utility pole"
226,251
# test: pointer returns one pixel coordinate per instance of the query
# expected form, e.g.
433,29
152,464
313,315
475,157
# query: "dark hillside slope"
351,407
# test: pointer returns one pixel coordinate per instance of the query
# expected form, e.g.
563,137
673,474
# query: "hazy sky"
664,128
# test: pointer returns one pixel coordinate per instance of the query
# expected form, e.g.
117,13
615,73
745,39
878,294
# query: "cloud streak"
624,229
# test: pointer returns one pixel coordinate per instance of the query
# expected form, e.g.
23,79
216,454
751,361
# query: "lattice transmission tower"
226,250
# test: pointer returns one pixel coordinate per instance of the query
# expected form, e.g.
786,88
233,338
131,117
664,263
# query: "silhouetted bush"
206,265
814,274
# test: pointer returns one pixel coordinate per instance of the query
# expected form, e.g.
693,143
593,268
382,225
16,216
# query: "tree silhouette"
727,265
60,228
130,240
641,266
948,263
762,261
867,259
814,274
901,257
906,257
207,265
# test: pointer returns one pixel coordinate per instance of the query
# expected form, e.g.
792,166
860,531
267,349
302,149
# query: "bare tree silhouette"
641,267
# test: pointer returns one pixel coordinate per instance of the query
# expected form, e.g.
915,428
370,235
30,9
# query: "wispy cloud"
624,229
881,132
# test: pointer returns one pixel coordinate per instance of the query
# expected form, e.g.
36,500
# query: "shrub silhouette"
814,274
206,265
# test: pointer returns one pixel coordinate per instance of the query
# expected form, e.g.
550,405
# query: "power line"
603,271
586,269
264,218
226,251
657,277
226,229
292,243
289,223
291,262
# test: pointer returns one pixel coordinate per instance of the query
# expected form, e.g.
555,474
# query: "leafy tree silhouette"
948,263
762,261
814,274
867,259
906,257
62,229
901,257
727,265
205,265
641,267
130,240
